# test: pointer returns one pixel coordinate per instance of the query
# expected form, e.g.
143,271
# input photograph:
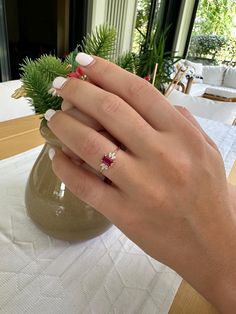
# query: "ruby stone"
107,161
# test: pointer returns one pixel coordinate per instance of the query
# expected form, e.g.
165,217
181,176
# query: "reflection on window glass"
142,19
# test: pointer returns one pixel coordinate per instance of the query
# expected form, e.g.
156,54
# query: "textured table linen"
108,274
11,108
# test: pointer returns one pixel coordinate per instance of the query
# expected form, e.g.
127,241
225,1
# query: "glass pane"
4,53
142,20
213,38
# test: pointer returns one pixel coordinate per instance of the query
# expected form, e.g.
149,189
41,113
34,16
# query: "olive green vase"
52,207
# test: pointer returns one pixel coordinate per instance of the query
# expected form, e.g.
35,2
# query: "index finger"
137,92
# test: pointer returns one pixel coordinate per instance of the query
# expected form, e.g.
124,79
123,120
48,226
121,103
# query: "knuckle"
138,87
110,104
91,145
184,165
161,197
142,125
199,142
182,170
106,68
181,109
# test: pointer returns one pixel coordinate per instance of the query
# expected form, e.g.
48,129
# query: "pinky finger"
84,184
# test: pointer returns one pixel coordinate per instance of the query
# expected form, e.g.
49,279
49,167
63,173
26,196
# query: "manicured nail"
59,82
48,114
51,153
84,59
52,91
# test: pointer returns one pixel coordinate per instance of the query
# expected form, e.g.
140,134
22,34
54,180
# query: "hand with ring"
169,192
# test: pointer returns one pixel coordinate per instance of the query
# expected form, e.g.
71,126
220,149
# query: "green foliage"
142,18
101,42
214,20
37,77
206,46
143,8
127,61
70,59
153,53
229,52
215,17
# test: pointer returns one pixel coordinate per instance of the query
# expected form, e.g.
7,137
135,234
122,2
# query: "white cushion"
196,66
213,75
11,108
221,91
215,110
198,89
230,78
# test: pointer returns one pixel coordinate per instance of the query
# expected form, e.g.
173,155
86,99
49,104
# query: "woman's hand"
169,192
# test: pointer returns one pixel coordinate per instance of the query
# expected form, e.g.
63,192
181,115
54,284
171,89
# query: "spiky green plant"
127,61
154,52
101,42
37,75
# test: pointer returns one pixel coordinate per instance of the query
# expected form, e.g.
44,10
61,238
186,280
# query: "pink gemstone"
107,161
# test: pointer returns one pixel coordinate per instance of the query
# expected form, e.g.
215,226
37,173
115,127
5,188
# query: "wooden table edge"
19,135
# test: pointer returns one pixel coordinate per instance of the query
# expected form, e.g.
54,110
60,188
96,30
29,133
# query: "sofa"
219,81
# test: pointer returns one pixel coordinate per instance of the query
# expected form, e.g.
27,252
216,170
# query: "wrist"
224,280
225,293
214,256
232,196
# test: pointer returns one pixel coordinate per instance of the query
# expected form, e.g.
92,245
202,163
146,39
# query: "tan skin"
169,193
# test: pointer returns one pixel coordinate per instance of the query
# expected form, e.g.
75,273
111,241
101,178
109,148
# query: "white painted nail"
52,91
48,114
59,82
51,153
84,59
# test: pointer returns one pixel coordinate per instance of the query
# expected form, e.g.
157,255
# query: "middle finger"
112,112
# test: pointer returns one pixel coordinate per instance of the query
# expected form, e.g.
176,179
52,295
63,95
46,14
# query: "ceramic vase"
52,207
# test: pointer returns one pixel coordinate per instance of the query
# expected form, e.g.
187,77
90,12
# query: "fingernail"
59,82
66,106
52,91
84,59
48,114
51,153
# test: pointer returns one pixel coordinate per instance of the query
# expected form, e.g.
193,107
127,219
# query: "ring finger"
89,145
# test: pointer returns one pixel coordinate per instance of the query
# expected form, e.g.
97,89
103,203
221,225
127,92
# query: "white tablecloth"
11,108
108,274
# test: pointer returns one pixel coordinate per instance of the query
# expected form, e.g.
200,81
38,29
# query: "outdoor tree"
214,21
214,17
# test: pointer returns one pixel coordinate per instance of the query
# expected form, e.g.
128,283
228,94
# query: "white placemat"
108,274
39,274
